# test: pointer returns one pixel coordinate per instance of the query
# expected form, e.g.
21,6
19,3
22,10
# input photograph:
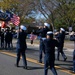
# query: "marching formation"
6,36
48,41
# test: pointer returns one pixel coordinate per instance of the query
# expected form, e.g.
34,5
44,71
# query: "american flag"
15,20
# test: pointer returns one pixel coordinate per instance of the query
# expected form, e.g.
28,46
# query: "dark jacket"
2,36
61,37
7,36
72,37
50,45
43,32
21,42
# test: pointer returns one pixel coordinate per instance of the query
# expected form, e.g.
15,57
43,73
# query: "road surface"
8,59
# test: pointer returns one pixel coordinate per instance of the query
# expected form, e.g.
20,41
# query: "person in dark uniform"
11,38
42,31
0,35
2,38
7,38
21,46
50,44
61,36
72,38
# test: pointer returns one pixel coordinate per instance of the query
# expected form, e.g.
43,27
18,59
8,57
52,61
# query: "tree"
18,7
65,11
46,8
56,12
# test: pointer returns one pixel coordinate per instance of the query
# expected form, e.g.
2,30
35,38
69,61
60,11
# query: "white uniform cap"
23,27
46,24
49,32
62,29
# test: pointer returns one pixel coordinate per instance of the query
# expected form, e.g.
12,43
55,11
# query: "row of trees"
59,13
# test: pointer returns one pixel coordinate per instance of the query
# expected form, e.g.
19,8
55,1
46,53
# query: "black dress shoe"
40,61
65,59
25,67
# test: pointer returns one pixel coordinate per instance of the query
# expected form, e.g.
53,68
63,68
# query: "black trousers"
31,41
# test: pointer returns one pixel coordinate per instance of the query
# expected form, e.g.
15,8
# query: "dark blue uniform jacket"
72,37
21,42
43,32
61,37
50,45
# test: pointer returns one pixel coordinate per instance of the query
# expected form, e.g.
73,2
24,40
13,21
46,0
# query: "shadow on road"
34,68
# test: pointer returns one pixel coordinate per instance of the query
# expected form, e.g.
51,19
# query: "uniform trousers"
19,53
49,61
60,50
42,49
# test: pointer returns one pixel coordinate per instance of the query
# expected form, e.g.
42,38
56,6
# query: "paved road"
7,67
8,58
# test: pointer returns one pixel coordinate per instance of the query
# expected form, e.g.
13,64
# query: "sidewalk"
66,49
68,45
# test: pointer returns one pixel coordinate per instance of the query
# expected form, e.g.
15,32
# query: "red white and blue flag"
15,20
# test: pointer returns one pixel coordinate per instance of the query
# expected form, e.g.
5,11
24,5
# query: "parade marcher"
2,38
42,32
50,44
72,38
61,36
21,46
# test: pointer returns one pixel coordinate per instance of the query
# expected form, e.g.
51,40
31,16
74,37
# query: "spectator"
32,37
2,38
7,39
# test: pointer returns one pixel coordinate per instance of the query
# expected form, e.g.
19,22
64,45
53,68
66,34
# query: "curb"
67,49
